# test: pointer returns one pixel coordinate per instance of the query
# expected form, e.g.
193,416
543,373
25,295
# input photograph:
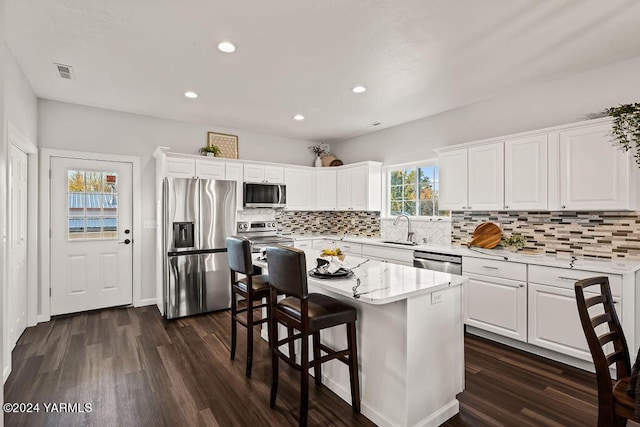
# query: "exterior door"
17,290
91,234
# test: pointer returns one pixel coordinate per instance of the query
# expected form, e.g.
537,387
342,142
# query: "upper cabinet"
359,187
573,167
263,173
472,178
593,172
525,173
299,182
325,189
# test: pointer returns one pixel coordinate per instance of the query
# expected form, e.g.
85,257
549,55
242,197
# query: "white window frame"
386,185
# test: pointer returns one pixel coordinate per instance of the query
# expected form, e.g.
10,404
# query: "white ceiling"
417,57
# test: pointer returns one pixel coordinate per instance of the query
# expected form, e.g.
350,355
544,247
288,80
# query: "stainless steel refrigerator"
199,214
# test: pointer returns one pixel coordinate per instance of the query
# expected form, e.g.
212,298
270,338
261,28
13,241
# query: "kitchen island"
410,341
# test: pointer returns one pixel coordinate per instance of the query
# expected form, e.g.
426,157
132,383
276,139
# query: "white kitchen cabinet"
495,298
178,167
208,169
392,255
453,180
263,173
359,187
233,172
347,248
325,189
472,178
554,322
525,173
305,245
593,172
299,184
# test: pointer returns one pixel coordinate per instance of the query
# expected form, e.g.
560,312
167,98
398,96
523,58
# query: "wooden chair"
251,287
615,406
309,314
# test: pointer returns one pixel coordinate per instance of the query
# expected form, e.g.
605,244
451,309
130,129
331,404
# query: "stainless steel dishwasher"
438,262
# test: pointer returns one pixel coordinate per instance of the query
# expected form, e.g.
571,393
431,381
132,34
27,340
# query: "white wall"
76,127
3,198
566,100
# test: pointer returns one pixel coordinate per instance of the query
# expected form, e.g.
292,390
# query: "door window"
92,205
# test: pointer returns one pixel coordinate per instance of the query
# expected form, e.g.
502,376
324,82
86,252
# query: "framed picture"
228,144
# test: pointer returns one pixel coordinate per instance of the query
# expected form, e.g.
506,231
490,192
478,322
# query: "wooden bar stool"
309,314
615,406
252,288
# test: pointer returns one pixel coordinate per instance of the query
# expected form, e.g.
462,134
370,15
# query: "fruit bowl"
333,253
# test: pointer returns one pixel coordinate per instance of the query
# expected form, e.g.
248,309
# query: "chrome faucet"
409,232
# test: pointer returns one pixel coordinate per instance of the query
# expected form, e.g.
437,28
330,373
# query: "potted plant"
626,126
210,150
515,242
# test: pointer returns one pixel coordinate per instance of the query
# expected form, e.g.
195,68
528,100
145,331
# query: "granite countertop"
381,282
550,260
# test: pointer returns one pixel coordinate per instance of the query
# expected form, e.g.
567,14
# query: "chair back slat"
607,338
614,357
595,300
239,252
288,270
600,319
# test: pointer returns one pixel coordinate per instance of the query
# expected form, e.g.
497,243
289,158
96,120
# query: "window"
414,191
92,201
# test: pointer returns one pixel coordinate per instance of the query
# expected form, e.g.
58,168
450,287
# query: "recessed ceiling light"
359,89
226,47
298,117
191,94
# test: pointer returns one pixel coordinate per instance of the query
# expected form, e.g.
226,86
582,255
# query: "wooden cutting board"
486,235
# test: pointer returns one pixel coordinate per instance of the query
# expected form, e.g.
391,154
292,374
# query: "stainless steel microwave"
264,195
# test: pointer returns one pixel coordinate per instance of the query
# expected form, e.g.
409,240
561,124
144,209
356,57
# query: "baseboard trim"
42,318
145,302
441,415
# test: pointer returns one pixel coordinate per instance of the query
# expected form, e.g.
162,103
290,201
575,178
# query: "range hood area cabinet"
571,167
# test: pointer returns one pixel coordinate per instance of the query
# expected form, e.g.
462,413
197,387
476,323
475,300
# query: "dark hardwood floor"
136,369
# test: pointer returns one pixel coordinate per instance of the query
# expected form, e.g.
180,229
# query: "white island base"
410,342
411,357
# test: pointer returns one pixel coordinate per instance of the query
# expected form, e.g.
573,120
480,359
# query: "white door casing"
17,289
91,267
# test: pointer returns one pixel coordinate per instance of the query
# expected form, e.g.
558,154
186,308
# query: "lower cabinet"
305,245
392,255
496,305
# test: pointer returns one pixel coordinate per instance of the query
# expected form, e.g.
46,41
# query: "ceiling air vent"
65,71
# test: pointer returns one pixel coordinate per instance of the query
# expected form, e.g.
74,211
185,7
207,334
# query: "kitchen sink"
397,242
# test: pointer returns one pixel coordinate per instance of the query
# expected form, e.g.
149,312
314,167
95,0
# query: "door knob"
126,242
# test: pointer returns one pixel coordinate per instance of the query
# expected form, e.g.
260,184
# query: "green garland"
626,126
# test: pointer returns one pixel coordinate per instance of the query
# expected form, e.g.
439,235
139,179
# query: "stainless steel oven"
438,262
264,195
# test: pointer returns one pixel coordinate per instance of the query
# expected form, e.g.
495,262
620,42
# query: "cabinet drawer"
388,254
349,248
493,268
320,244
303,244
566,278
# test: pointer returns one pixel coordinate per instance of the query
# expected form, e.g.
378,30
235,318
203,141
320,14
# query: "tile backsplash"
609,235
435,231
366,224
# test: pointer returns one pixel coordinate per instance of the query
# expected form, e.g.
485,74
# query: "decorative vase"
209,154
318,162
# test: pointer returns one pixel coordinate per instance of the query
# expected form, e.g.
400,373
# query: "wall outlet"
150,224
436,297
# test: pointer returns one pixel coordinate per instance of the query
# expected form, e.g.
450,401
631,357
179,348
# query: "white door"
453,180
91,234
486,177
525,173
17,290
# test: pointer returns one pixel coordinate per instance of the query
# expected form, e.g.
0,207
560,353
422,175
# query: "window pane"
396,208
396,178
75,228
410,192
396,192
109,227
110,181
75,202
93,182
426,174
426,192
93,202
410,176
426,208
75,181
409,208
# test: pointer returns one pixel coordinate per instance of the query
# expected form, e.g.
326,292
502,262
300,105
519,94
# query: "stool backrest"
239,251
288,270
615,335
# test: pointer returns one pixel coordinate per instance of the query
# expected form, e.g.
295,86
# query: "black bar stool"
252,287
309,314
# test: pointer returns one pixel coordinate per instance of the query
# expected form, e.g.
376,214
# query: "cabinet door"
325,190
274,174
208,169
181,168
233,172
486,177
594,173
453,180
349,248
303,244
253,173
299,184
360,188
525,173
496,305
343,190
554,322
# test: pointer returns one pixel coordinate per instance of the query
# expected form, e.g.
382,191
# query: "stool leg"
234,326
317,367
292,348
353,367
249,331
274,361
304,379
